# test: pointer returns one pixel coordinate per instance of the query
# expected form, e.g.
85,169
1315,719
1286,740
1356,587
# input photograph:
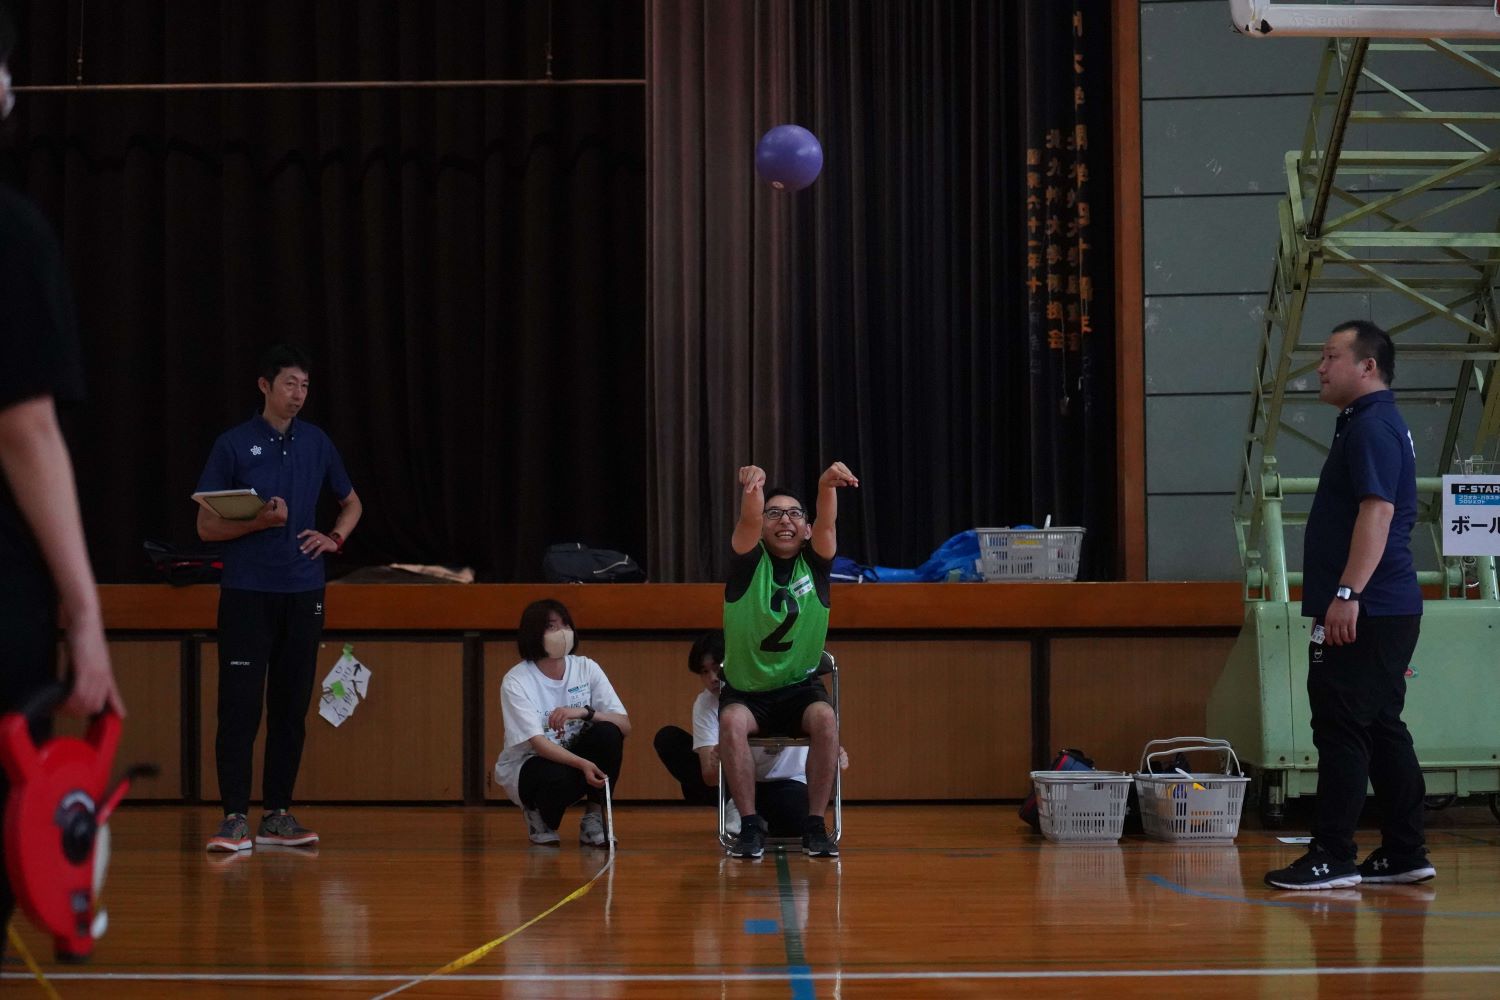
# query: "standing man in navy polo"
271,595
1360,589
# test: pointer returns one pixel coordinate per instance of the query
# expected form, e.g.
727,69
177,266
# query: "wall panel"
404,742
1110,695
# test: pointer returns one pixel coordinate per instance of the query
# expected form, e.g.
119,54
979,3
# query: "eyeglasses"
777,513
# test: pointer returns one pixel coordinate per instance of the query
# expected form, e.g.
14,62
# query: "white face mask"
8,102
558,644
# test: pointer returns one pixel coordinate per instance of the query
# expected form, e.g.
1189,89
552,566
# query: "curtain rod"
143,88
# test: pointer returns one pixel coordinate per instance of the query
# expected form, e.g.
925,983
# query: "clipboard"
232,505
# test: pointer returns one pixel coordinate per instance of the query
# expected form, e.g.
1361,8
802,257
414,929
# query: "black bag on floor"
574,562
181,565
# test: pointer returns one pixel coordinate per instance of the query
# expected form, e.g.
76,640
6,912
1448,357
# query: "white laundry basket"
1195,807
1029,554
1081,807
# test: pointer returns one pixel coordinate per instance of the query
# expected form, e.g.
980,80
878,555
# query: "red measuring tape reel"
56,840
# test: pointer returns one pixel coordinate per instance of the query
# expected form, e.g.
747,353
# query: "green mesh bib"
774,635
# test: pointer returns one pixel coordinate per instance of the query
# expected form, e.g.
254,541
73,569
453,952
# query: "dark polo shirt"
1372,455
294,466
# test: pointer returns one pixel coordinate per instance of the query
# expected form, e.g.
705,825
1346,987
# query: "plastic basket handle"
1211,741
1189,744
1177,743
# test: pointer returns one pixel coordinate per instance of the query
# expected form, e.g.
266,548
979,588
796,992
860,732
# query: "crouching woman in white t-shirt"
565,728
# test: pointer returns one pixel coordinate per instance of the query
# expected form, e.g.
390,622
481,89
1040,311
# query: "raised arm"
35,462
752,502
825,535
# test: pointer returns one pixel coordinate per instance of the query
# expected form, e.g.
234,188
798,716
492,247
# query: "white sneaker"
731,819
537,830
591,830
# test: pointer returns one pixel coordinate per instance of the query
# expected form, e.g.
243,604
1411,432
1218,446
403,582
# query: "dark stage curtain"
466,266
885,316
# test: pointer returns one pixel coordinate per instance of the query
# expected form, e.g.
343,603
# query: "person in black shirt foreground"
44,567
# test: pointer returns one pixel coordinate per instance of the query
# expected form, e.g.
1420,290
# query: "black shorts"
777,712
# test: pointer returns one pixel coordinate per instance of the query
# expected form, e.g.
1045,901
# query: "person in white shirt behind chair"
565,728
780,775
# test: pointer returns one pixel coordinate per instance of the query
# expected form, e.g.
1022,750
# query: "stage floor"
927,901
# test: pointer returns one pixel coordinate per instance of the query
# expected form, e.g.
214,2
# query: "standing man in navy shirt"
271,595
1360,589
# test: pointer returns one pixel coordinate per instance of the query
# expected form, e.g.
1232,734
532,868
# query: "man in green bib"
775,623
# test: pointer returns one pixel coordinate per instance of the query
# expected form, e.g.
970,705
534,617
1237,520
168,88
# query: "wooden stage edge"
690,606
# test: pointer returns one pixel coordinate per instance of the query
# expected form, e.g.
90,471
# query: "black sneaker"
750,842
1382,866
1315,870
815,840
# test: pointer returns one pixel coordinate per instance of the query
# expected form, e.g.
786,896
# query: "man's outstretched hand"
837,475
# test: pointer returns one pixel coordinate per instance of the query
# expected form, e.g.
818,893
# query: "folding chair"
827,665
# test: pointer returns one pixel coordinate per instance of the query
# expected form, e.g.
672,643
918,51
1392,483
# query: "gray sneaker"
591,830
281,827
537,829
233,834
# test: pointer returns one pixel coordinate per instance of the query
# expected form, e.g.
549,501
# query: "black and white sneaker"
815,840
1384,867
751,840
1315,870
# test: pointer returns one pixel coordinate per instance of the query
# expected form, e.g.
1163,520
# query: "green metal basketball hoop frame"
1339,236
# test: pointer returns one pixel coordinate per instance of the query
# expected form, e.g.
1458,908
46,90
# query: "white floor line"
768,976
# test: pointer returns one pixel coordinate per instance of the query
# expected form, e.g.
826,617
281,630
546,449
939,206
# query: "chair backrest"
827,665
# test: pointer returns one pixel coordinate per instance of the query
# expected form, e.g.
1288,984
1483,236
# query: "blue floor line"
797,969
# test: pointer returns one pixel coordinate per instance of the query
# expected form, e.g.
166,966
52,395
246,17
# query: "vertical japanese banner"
1067,99
1059,280
1471,515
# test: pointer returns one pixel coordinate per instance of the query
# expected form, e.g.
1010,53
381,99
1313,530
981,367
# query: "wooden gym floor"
928,901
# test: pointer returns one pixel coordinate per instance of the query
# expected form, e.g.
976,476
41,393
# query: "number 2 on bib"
781,600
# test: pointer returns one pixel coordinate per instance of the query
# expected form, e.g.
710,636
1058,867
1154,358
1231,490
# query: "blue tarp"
952,561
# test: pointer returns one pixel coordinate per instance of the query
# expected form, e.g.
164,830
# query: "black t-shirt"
39,356
742,568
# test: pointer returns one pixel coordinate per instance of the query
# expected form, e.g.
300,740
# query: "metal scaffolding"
1425,242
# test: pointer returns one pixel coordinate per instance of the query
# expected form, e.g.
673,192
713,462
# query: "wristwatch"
588,713
1344,593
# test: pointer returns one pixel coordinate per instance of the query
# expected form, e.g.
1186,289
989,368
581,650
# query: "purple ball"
789,156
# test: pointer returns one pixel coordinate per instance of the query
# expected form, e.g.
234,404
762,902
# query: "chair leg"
725,840
838,804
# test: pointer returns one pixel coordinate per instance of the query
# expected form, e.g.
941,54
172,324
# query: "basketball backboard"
1368,19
